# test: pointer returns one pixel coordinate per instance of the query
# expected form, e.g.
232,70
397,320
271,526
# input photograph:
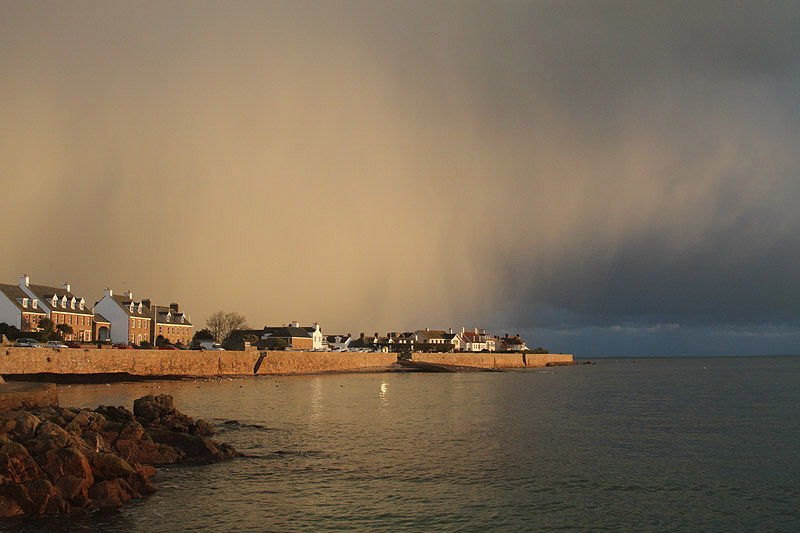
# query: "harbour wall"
494,360
190,363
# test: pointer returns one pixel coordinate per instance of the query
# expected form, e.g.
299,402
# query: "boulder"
106,466
105,494
193,447
16,464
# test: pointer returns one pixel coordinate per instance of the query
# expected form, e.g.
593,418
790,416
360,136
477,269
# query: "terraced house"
130,320
18,309
62,307
170,323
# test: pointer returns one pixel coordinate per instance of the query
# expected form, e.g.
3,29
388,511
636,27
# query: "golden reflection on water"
384,388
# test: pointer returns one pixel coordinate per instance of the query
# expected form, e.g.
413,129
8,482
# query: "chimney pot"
25,280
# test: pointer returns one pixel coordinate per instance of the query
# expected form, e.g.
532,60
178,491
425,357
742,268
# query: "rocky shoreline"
60,460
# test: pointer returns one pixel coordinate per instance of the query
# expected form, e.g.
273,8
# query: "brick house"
169,323
18,309
62,307
296,338
130,320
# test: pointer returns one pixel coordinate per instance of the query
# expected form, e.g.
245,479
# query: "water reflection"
383,389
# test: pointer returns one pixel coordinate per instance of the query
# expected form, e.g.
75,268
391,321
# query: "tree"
10,331
64,330
47,325
276,344
220,324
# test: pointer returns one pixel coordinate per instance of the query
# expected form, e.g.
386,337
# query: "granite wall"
16,361
494,360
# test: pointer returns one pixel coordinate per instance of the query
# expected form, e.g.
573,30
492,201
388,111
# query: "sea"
649,444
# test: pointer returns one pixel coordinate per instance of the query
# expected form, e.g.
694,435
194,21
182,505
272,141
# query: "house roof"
45,295
167,315
15,294
285,332
124,302
100,319
429,334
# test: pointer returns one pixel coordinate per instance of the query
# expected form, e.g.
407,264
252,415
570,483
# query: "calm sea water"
682,444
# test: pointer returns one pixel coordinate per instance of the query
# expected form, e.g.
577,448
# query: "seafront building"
130,320
169,323
18,309
60,306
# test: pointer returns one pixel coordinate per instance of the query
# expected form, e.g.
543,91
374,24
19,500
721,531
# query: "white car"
29,343
212,346
55,344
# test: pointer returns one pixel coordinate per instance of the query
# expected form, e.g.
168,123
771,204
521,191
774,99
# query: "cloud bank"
556,167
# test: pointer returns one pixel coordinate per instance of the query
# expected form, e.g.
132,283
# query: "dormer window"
182,320
55,300
72,303
35,304
139,309
64,302
130,307
82,304
25,302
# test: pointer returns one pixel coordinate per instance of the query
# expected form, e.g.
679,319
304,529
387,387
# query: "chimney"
129,294
108,292
175,307
450,330
146,303
294,324
25,280
362,335
66,286
476,331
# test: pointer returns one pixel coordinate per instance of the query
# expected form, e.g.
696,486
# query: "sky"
604,177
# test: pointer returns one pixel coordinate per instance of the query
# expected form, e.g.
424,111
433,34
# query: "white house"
315,333
18,309
130,320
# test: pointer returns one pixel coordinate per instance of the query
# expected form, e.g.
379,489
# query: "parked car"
122,346
28,343
55,344
167,347
71,344
210,345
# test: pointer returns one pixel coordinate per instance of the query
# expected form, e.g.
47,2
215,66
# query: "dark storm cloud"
627,170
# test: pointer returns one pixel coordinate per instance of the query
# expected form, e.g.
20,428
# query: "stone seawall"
493,360
314,362
22,361
189,363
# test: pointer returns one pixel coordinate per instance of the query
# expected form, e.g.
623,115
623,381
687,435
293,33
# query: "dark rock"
202,428
107,466
56,460
115,414
9,508
16,464
150,408
105,494
193,447
69,471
